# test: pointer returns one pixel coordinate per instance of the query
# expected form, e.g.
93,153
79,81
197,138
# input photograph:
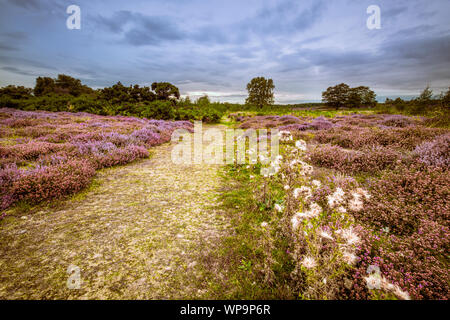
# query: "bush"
53,182
158,110
372,159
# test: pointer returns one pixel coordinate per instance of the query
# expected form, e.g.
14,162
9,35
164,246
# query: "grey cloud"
18,71
142,29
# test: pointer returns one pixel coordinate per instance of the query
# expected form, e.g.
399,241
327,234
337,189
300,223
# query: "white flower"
341,209
302,215
286,187
293,163
316,183
301,145
314,209
363,193
309,262
324,280
264,224
350,235
401,294
349,257
295,222
356,204
326,235
278,207
252,176
264,172
285,135
304,190
373,281
336,198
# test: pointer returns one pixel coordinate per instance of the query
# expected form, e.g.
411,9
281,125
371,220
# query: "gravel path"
136,235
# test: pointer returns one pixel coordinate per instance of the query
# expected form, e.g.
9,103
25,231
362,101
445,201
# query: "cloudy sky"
217,46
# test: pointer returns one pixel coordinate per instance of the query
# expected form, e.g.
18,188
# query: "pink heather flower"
309,262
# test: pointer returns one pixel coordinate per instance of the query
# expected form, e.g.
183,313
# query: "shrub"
53,182
372,159
436,152
120,156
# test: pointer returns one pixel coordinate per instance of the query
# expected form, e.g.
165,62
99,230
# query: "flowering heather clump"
53,182
400,199
435,152
120,156
352,161
396,120
391,217
57,153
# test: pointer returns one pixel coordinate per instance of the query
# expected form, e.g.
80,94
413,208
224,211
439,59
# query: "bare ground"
139,233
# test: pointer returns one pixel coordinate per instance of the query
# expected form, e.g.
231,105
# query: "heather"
47,155
353,209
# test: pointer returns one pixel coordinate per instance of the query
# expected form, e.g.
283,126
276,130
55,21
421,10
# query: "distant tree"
44,85
165,91
426,96
446,99
342,95
13,92
63,84
260,92
203,101
337,96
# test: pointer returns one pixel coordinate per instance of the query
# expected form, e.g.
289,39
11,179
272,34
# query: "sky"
216,47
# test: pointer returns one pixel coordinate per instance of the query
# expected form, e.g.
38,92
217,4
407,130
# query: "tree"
446,99
342,95
337,96
426,96
13,92
44,85
165,91
260,92
203,101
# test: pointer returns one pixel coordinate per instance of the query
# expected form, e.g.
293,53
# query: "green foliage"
342,95
63,84
165,91
260,92
158,110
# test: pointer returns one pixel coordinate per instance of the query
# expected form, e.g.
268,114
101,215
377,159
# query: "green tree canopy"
165,91
260,92
342,95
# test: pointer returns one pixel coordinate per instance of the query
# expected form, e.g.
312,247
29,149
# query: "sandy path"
136,235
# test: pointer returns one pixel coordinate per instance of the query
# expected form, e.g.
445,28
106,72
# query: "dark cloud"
138,29
18,71
5,47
